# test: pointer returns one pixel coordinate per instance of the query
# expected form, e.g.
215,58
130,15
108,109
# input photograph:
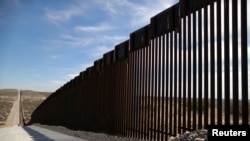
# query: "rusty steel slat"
115,123
134,95
130,92
93,105
127,91
154,52
118,96
146,92
112,101
199,71
163,85
117,99
79,101
189,72
99,81
167,82
175,83
219,65
180,81
212,67
171,85
244,64
101,100
140,93
159,86
184,74
124,95
122,98
89,101
144,87
226,63
106,99
87,105
150,91
105,85
83,100
157,63
194,68
235,63
206,66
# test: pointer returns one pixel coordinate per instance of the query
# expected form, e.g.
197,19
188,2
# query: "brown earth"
9,103
30,101
7,98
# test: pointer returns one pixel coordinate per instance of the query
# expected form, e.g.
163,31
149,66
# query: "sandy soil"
7,98
90,136
13,118
30,101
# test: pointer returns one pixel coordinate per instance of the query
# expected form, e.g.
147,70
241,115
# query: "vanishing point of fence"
185,70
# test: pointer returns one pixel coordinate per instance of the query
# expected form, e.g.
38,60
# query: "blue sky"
44,43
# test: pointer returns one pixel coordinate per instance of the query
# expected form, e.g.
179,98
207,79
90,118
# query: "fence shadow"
36,135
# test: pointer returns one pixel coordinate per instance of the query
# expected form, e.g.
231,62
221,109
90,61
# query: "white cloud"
98,51
113,7
138,13
142,12
58,16
98,28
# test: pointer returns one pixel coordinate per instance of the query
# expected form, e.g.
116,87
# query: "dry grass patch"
7,97
30,101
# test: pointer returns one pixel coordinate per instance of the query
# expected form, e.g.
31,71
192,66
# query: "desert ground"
7,98
30,100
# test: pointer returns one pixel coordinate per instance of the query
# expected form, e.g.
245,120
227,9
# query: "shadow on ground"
35,135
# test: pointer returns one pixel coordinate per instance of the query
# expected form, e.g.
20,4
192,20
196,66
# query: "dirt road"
14,116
